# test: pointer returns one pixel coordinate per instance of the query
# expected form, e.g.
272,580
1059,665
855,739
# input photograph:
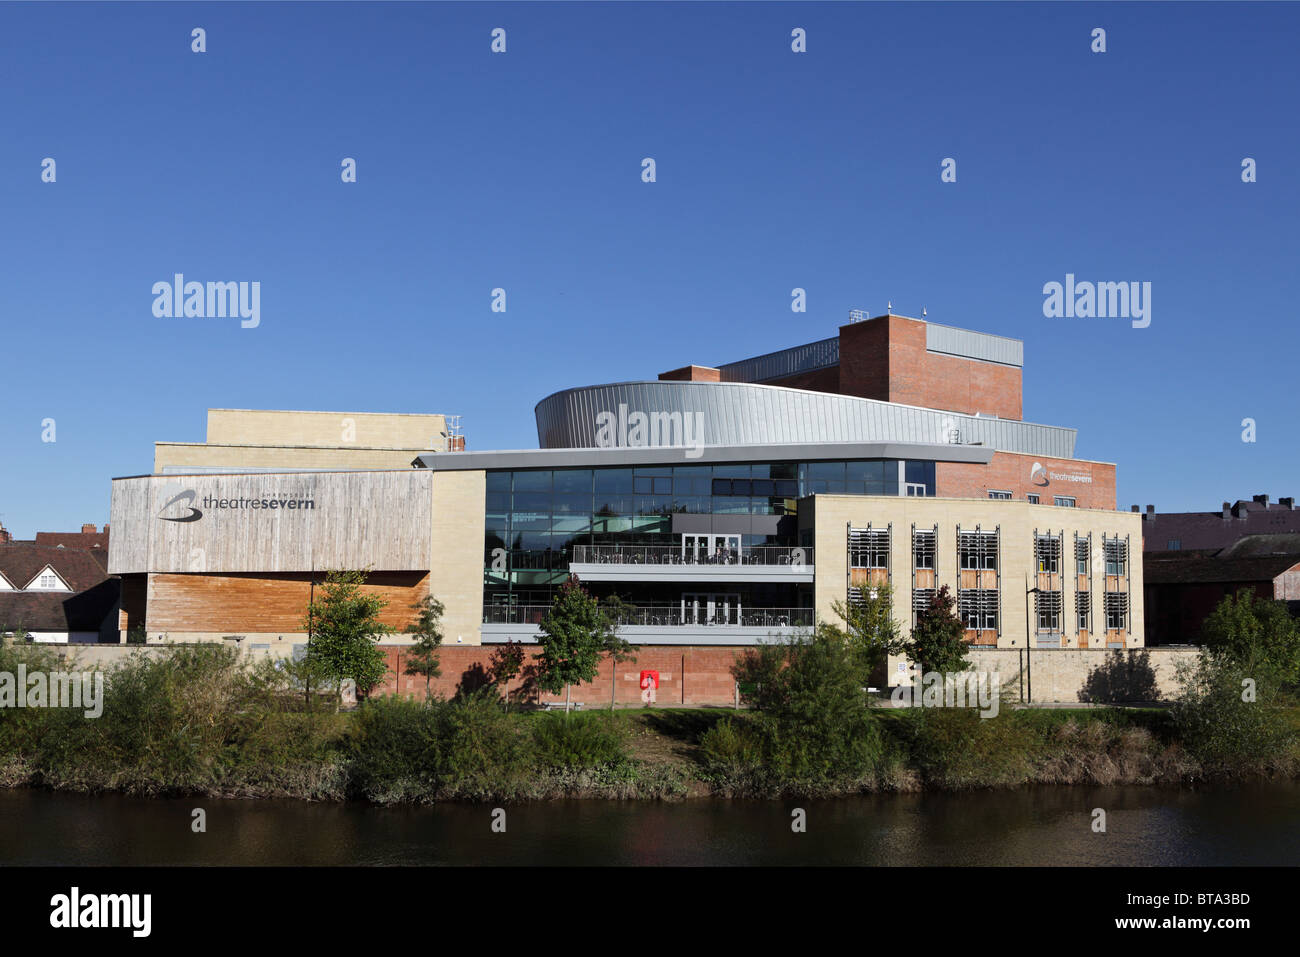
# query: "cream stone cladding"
269,439
829,517
456,572
330,429
178,456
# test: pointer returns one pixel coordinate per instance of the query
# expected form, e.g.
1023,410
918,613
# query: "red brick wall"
819,380
693,675
1010,471
691,374
885,358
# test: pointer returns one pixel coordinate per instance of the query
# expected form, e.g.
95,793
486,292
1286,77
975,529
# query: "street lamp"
1029,662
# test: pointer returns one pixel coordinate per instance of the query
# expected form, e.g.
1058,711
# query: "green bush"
399,749
1220,724
956,748
579,740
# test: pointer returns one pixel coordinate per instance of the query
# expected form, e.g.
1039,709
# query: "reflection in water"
1253,824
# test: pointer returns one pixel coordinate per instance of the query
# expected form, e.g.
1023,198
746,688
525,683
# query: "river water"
1249,824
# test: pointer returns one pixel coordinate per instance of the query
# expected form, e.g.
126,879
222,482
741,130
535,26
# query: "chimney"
1262,500
1287,503
4,535
1135,509
1240,508
1227,509
88,530
1150,516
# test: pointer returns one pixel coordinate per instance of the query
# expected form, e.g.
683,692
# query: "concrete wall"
1073,675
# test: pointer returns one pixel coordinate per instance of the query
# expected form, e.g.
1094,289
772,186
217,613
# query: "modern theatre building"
726,504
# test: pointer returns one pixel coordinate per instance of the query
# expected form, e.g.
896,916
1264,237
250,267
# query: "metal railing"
666,616
679,555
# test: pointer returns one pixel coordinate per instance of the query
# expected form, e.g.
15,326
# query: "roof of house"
1157,569
1212,530
81,568
91,600
95,540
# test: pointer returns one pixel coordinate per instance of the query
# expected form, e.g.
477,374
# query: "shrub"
579,740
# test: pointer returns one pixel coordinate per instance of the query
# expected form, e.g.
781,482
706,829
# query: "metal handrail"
665,616
680,555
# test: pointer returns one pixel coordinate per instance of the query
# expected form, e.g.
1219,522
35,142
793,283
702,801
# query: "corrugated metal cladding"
743,414
778,365
974,345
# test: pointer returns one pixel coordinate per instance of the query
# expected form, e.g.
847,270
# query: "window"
869,548
1065,501
1083,604
923,549
998,494
1048,604
1047,554
977,550
1081,556
1174,545
1033,498
978,608
47,580
1116,556
1116,611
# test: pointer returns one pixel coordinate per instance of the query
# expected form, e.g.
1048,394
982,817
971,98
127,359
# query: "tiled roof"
81,568
58,610
1192,570
74,539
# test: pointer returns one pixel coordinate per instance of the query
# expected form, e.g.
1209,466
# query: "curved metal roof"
734,413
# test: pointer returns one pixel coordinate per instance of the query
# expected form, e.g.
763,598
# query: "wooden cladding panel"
356,520
867,577
235,604
925,578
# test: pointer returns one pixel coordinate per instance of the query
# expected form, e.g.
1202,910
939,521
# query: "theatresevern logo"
639,430
1101,300
1039,475
215,300
183,502
75,909
53,689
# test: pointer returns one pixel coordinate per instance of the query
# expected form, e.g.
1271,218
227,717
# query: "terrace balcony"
677,563
681,624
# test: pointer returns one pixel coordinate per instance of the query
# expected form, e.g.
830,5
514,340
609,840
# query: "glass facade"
535,518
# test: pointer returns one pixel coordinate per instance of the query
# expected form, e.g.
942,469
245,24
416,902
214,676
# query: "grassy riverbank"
196,722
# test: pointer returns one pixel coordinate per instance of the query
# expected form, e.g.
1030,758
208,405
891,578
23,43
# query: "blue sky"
775,170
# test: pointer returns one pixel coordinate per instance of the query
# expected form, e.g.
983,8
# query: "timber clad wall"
259,604
357,520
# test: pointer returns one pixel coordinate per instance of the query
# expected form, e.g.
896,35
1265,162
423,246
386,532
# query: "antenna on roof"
923,312
857,315
889,308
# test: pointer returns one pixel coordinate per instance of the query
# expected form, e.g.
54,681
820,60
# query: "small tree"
873,634
505,664
573,636
938,642
1257,634
616,649
345,630
427,629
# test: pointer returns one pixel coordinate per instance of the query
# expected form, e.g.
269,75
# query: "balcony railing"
676,555
666,616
